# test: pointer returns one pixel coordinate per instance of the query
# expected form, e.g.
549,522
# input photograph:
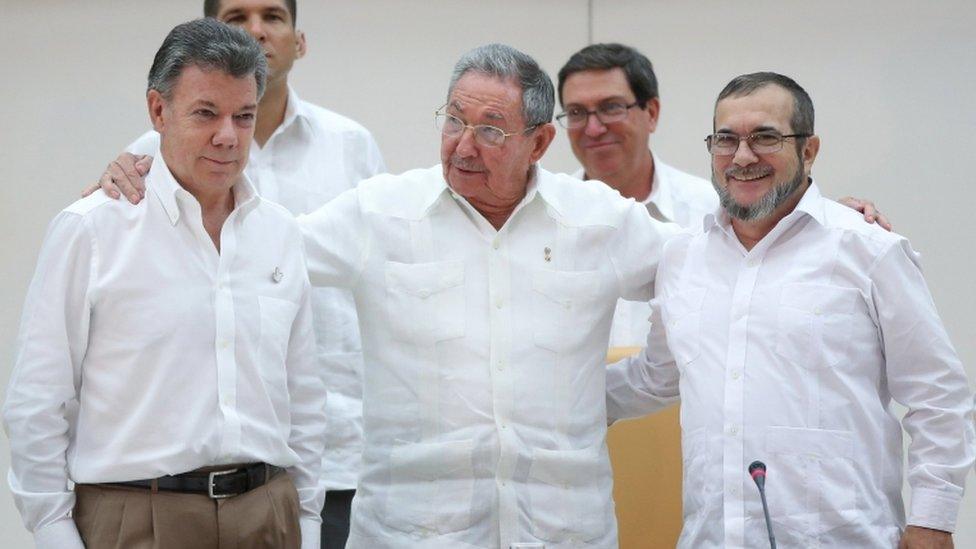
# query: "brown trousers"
121,517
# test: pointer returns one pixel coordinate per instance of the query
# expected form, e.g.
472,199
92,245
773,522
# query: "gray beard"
765,206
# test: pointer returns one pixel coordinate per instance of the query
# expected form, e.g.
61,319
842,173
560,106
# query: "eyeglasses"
726,144
488,136
606,113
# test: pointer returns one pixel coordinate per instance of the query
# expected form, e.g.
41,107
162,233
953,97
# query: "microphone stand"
757,470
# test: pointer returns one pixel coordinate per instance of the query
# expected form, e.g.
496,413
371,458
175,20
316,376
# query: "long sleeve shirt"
484,397
144,352
312,157
793,353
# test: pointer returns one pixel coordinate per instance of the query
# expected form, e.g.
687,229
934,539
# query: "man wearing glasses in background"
609,94
302,157
792,326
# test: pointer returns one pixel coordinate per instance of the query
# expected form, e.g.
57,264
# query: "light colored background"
893,83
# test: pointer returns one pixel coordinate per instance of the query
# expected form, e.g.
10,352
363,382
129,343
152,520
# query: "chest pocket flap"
425,300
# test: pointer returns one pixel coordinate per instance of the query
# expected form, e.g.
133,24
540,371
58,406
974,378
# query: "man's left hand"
917,537
866,207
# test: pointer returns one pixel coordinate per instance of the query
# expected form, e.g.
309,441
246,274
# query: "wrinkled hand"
866,207
126,174
916,537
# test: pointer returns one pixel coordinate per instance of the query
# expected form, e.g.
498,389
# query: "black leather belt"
215,484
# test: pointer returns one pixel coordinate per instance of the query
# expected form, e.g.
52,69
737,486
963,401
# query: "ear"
300,45
156,105
653,112
542,138
809,153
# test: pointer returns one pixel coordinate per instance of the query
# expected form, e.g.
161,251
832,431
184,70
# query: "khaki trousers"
122,517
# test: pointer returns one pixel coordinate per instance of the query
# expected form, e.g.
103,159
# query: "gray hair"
507,63
210,45
802,118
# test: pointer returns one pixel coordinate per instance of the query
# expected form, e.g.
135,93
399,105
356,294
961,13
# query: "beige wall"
893,83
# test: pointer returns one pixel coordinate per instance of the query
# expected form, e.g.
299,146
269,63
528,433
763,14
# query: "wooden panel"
646,458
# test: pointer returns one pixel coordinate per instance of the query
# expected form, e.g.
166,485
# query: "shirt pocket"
277,317
814,323
812,487
682,314
565,501
431,487
425,301
564,308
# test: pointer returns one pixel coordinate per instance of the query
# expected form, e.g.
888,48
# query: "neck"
635,181
271,111
753,231
215,208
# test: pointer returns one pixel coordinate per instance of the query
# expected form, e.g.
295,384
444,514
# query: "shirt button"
735,374
424,293
504,426
817,311
734,430
501,365
496,245
224,344
498,303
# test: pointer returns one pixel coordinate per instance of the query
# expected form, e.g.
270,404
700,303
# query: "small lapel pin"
277,275
547,254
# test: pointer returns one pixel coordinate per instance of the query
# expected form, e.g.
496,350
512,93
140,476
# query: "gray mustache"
748,172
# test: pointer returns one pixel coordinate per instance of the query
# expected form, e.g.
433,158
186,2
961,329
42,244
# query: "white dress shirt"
312,157
676,197
484,397
792,353
143,352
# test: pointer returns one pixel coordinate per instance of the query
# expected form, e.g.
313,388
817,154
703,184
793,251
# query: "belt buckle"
210,484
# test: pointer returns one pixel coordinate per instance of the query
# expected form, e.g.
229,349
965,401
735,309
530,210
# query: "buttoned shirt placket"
219,264
734,475
499,353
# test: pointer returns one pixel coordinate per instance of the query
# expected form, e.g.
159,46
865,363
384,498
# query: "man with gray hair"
485,288
201,426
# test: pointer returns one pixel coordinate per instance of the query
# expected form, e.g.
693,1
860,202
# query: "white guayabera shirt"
483,393
792,353
143,352
676,197
312,157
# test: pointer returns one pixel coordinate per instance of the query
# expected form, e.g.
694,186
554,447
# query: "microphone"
757,470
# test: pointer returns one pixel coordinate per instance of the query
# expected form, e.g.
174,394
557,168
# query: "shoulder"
327,121
88,205
581,203
690,188
856,232
407,195
146,143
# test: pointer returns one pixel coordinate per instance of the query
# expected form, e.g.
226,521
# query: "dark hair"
506,62
637,67
211,7
208,44
802,118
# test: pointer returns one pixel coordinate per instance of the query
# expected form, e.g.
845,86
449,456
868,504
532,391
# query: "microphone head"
757,470
757,466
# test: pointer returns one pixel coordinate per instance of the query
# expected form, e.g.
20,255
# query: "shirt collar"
294,109
811,203
662,190
161,182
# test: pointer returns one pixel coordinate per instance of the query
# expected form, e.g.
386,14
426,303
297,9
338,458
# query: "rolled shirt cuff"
934,509
60,534
311,533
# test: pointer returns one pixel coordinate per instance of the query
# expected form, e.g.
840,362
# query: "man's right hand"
127,175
